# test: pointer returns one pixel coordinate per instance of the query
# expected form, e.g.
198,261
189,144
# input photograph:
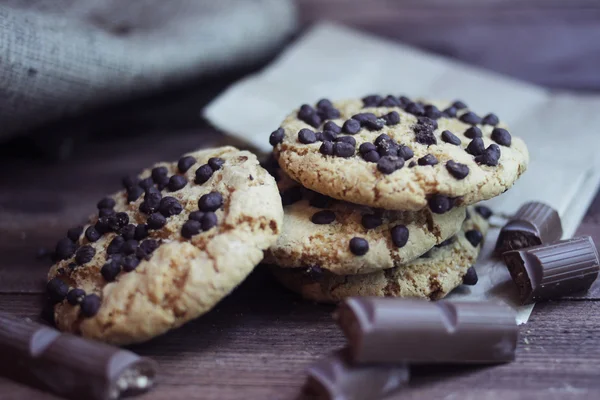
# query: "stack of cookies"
379,195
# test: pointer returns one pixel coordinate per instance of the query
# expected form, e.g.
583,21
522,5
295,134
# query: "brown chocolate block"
534,224
553,270
387,330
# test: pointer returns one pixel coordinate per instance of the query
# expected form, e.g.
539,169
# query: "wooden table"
258,341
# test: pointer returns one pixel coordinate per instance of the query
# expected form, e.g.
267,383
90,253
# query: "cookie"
431,277
345,238
396,154
167,248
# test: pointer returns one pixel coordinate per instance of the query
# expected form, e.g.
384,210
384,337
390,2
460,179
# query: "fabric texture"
60,57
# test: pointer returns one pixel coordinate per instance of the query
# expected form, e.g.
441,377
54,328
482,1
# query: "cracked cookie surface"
431,277
133,291
349,164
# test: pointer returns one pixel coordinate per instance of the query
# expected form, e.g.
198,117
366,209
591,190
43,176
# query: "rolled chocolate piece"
534,224
335,378
68,365
386,330
553,270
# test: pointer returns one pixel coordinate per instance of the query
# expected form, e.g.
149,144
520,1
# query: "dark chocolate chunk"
209,220
75,233
372,100
177,182
324,217
110,270
170,206
107,202
405,152
459,105
185,163
75,296
457,170
342,149
203,174
399,235
425,137
490,119
490,156
501,136
210,202
389,164
130,181
450,112
359,246
427,123
158,173
347,139
371,156
392,118
141,231
129,247
306,136
474,237
65,248
130,263
332,127
451,138
146,183
363,118
470,278
155,221
366,147
319,200
432,112
276,136
470,118
476,147
351,127
216,163
553,270
427,159
534,224
371,221
439,204
90,305
326,148
388,330
134,193
415,109
84,254
57,290
92,234
115,245
190,228
118,221
328,136
484,211
473,132
291,195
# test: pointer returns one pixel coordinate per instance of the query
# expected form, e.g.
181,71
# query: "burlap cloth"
61,57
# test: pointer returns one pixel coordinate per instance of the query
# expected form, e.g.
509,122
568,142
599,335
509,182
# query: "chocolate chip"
84,254
347,139
351,126
177,182
457,170
129,181
474,237
389,164
359,246
152,198
305,110
459,105
133,193
75,233
185,163
473,132
332,126
110,270
203,174
343,149
314,272
412,164
470,118
390,101
155,221
57,290
372,100
432,112
451,138
210,202
141,231
209,220
216,163
326,148
159,173
439,204
484,211
376,125
122,219
115,245
106,212
90,305
306,136
475,147
415,109
490,156
291,196
103,225
314,120
129,247
308,115
427,123
405,152
501,136
170,206
371,156
388,148
190,228
149,245
130,263
146,183
490,119
324,103
324,217
276,137
428,159
196,215
381,139
363,118
371,221
399,235
106,202
92,234
470,277
319,200
450,112
425,137
404,100
72,265
328,113
446,242
391,118
75,296
162,182
366,147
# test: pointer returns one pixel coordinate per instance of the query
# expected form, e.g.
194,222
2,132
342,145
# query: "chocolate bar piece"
553,270
388,330
534,224
335,378
68,365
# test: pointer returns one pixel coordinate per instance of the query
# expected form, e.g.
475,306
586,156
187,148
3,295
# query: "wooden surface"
257,342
